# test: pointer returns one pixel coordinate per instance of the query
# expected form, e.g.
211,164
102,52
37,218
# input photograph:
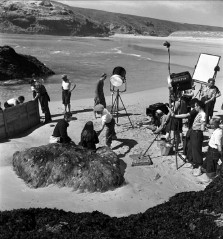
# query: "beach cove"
146,186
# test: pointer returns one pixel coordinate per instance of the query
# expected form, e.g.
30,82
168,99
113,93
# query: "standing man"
44,98
60,131
99,92
108,122
208,96
187,154
196,138
66,92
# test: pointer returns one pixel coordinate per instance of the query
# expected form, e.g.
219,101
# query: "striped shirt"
199,120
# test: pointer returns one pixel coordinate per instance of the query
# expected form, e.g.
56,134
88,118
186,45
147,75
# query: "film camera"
180,81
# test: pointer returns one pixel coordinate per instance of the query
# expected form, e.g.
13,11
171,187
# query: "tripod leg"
117,107
126,112
114,104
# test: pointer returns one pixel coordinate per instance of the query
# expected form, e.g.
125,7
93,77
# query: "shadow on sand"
125,142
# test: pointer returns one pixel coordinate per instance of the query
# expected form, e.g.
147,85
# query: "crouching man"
163,119
108,122
60,131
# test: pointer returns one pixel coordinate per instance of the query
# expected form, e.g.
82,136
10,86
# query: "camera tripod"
176,133
115,107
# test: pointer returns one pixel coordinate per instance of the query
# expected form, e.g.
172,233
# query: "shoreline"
176,38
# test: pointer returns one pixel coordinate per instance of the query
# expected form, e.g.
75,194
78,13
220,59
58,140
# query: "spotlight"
118,76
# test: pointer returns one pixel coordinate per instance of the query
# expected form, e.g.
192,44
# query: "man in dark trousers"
60,131
44,98
99,92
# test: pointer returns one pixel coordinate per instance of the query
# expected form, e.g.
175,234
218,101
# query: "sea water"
85,59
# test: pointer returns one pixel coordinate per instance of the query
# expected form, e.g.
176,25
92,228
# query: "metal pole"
117,105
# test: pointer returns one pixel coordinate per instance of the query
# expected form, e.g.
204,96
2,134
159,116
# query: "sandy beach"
145,187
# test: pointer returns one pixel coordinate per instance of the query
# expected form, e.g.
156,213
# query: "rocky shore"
19,68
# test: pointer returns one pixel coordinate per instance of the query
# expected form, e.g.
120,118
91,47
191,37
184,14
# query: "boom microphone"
167,44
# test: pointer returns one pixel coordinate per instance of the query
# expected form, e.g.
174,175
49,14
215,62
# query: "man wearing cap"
99,92
60,131
108,122
66,92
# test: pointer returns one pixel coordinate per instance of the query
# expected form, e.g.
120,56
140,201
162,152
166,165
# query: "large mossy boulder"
18,66
69,165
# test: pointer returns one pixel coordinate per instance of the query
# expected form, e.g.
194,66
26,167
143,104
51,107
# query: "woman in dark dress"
89,137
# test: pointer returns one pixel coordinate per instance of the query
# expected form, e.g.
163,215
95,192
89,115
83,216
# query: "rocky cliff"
35,17
51,17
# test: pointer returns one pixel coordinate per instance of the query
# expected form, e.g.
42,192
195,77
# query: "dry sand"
146,186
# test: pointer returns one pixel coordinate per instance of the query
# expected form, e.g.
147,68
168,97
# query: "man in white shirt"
196,138
214,153
14,101
108,122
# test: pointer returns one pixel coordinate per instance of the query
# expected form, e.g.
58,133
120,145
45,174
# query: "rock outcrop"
69,165
18,66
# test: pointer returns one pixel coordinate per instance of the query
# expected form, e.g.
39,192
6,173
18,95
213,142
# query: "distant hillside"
51,17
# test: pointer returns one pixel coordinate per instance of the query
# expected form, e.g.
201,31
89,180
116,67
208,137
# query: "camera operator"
175,124
186,97
187,153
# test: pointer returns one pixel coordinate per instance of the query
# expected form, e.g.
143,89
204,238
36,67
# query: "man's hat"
64,76
99,107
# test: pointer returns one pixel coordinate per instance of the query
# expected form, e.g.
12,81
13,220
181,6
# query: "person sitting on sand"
60,131
99,92
44,98
108,122
89,137
66,92
13,102
214,152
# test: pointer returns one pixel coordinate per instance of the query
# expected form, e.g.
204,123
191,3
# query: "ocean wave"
58,52
115,50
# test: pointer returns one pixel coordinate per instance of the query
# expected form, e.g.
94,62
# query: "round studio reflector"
118,76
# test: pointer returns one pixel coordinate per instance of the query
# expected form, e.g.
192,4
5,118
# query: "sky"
206,12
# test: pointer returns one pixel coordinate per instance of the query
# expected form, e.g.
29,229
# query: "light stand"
118,84
116,102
